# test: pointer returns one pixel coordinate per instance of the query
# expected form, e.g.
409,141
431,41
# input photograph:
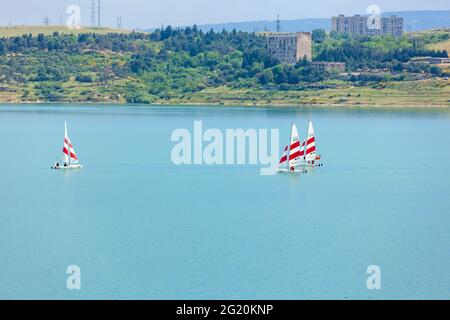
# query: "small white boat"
292,156
311,158
299,156
70,159
67,167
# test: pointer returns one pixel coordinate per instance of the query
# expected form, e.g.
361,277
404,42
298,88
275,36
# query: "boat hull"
71,167
309,165
296,171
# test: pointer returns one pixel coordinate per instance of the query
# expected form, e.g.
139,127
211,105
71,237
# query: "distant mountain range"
414,21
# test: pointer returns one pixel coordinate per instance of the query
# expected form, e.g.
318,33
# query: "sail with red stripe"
69,155
310,145
295,153
284,157
303,150
72,154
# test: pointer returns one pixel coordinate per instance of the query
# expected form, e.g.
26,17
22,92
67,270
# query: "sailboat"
311,157
70,159
292,156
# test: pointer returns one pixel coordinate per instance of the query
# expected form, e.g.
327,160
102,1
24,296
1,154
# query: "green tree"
265,77
436,71
2,48
319,35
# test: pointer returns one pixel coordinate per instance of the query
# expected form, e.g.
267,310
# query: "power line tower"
119,22
99,14
46,20
93,11
278,23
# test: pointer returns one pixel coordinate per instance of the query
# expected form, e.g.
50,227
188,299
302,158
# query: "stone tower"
289,48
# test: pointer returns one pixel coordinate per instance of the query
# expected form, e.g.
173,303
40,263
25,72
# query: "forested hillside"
175,64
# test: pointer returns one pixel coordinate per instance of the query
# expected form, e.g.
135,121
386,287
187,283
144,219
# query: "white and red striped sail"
293,154
311,145
284,157
295,149
68,151
303,150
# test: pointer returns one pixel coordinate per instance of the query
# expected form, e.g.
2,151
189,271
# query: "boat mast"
289,149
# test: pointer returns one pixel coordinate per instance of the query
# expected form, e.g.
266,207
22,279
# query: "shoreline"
426,94
232,105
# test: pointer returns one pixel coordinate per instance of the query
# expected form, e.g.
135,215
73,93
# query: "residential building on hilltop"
357,26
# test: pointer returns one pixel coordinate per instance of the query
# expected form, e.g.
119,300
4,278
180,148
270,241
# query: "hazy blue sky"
151,13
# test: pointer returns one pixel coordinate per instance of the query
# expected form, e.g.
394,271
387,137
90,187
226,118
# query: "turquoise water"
141,228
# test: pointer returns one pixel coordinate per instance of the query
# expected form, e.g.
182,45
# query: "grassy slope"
14,31
408,93
444,45
440,46
427,93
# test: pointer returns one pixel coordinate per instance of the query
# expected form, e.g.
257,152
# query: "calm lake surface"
140,227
